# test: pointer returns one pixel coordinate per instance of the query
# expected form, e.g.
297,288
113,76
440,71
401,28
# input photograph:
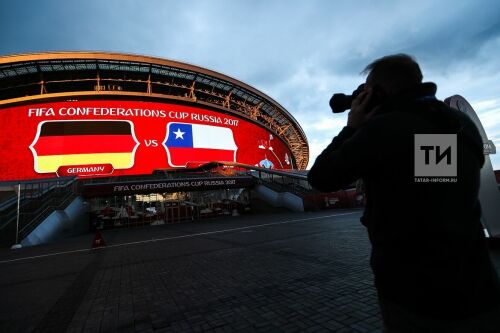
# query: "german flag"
82,142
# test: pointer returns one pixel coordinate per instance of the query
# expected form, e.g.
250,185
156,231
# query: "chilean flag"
186,143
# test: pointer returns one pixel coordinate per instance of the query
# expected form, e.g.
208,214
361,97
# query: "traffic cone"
98,240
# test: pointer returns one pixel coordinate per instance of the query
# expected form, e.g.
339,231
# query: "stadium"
136,100
139,139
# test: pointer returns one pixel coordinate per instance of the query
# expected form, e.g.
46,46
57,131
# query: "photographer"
429,256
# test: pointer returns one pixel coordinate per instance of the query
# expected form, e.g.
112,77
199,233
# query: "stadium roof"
28,78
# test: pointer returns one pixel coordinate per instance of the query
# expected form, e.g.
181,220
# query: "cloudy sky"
297,51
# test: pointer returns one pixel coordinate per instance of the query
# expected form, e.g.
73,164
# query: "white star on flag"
179,134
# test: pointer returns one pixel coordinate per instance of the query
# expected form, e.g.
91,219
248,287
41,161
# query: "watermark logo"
436,158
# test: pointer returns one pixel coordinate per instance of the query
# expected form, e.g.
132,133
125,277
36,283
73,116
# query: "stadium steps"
35,206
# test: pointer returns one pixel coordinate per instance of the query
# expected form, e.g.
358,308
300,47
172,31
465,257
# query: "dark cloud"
298,52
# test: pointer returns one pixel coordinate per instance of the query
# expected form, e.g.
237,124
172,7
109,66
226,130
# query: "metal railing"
38,199
31,220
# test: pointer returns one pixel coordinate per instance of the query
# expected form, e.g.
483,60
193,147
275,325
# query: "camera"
342,102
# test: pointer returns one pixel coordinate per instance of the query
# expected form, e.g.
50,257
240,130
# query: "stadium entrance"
50,210
167,197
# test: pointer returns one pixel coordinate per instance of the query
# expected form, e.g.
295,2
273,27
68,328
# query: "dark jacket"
428,246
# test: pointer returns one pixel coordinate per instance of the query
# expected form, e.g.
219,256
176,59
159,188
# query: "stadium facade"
99,140
95,114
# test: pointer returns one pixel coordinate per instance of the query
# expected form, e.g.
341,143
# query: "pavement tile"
309,276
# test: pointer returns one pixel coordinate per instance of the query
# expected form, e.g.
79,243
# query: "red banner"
103,138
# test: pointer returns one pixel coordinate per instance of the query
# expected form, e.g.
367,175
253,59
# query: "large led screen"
113,138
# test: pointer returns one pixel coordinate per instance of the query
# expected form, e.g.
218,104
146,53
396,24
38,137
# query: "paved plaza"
283,272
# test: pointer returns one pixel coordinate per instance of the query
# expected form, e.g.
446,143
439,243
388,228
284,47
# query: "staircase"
38,199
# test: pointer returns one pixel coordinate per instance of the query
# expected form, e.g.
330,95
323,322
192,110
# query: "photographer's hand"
360,109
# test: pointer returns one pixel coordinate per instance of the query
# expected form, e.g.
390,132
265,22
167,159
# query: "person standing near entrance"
429,255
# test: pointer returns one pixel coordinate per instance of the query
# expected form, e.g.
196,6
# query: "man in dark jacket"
429,256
